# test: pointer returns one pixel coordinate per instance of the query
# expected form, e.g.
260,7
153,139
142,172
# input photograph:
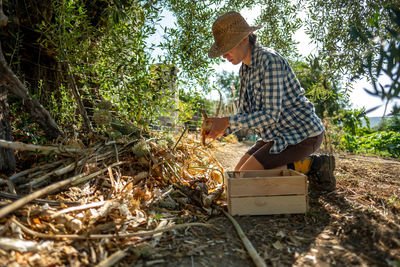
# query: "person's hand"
218,127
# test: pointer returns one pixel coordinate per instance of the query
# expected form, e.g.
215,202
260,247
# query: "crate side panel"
268,205
253,174
267,186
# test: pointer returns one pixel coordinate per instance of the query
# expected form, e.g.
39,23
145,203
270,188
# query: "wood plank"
267,186
252,174
268,205
261,173
228,193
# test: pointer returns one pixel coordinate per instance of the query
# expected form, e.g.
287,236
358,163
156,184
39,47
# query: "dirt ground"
357,224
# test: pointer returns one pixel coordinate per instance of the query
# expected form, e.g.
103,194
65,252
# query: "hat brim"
216,51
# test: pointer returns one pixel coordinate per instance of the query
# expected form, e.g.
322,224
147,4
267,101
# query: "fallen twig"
39,149
113,259
100,236
180,137
76,208
258,261
48,201
21,202
56,172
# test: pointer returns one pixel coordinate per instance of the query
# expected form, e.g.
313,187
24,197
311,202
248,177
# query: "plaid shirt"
272,102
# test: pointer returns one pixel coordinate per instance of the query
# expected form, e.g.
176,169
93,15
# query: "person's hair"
252,39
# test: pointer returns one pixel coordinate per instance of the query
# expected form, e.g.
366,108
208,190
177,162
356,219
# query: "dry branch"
113,259
48,189
57,172
82,207
38,168
48,201
258,261
100,236
39,149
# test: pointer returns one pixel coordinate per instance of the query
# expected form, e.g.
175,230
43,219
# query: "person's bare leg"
251,164
242,161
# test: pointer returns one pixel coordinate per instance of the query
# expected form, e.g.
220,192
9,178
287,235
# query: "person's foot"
321,176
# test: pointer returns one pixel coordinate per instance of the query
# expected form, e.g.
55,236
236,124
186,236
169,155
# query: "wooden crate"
266,192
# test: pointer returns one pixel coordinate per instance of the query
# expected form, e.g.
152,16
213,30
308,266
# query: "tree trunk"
38,113
3,18
7,159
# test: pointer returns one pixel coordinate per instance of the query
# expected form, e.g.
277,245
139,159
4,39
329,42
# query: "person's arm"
271,89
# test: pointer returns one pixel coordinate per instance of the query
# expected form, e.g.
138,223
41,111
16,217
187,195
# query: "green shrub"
383,143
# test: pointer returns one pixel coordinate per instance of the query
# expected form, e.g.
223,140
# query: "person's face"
238,53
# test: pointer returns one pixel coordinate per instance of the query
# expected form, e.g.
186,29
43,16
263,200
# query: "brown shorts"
292,153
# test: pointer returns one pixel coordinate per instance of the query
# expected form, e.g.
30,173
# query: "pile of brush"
120,192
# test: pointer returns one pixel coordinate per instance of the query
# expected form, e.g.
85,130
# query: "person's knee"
242,160
251,164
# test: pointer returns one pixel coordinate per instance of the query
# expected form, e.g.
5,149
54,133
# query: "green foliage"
326,93
333,25
388,59
280,22
186,45
350,121
383,143
393,123
62,106
229,83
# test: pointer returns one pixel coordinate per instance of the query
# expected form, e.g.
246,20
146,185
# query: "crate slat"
268,186
268,205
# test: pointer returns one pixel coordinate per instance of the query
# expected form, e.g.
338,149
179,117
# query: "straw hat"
229,30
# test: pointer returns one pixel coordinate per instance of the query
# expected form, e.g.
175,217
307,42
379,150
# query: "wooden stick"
21,202
113,259
180,137
38,200
258,261
38,149
99,236
40,167
76,208
57,172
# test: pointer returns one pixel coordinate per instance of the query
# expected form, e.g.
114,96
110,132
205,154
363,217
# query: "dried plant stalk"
113,259
39,149
21,202
100,236
258,261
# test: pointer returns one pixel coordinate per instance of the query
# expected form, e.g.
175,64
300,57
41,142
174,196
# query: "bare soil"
357,224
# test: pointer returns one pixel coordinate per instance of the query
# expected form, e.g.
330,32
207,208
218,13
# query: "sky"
358,97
